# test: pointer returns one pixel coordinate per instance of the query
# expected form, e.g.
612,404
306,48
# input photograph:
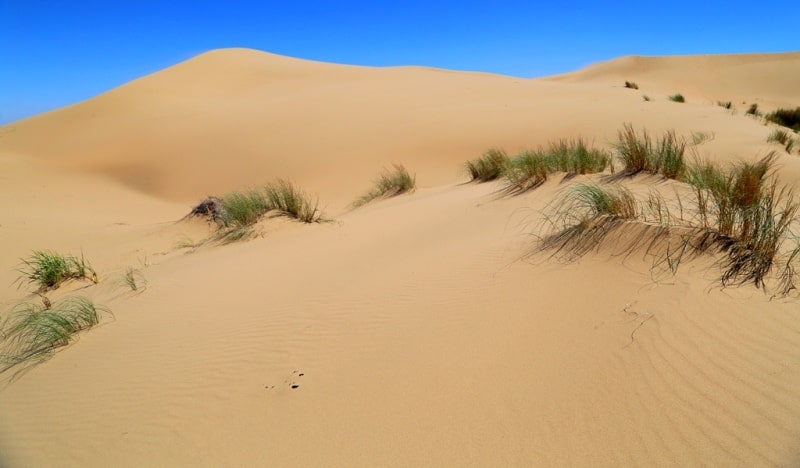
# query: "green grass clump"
783,137
725,197
742,214
585,214
753,110
239,209
235,213
750,212
290,201
527,171
134,279
631,85
638,153
676,98
574,156
49,269
389,184
789,118
530,168
33,332
492,165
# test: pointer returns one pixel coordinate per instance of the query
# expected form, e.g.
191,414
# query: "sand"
416,330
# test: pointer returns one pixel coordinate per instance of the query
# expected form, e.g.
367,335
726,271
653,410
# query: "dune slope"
414,331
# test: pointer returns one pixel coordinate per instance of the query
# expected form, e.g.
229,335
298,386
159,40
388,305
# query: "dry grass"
531,168
638,153
743,215
389,184
33,332
492,165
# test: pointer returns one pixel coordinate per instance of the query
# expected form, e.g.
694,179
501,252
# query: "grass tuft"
783,137
743,214
753,110
134,279
33,332
389,184
638,153
290,201
492,165
676,98
727,104
236,213
585,214
789,118
49,269
530,168
646,98
631,85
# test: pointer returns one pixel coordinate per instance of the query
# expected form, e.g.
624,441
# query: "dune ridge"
413,331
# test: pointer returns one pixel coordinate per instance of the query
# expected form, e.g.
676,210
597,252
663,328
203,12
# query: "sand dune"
765,79
234,118
415,330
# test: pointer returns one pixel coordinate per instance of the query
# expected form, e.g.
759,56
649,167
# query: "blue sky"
55,52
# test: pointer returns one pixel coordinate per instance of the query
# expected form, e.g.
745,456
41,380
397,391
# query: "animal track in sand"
290,381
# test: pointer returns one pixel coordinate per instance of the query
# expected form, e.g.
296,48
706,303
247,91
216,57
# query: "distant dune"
766,79
235,117
412,331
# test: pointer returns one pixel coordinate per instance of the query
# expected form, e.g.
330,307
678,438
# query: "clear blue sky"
57,52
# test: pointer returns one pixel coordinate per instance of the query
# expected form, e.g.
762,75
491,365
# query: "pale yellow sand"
414,330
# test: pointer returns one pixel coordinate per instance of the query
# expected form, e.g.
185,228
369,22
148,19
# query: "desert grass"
698,138
646,98
726,196
134,279
48,269
531,168
631,85
490,166
784,137
753,110
638,153
789,118
585,214
726,104
676,98
33,332
743,215
288,200
236,213
390,183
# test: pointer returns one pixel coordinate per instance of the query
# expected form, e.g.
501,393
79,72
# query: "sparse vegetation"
389,184
530,168
235,213
631,85
637,153
33,332
585,214
753,110
134,279
698,138
789,118
288,200
492,165
727,104
784,137
646,98
742,213
49,269
677,98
